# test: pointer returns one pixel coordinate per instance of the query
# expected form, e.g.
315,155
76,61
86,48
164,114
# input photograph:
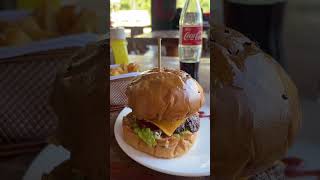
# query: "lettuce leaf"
146,135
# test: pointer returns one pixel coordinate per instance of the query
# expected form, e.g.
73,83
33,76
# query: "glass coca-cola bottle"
190,41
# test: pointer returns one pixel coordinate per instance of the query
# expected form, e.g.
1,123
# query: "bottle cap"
117,33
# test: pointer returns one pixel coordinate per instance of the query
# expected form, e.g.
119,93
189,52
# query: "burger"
164,121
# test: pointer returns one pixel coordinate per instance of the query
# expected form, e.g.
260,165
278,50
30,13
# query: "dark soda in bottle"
190,41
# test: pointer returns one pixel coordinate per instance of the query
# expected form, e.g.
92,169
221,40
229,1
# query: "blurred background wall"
302,42
301,37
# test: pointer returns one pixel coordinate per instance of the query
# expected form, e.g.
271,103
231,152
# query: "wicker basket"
276,172
25,88
118,85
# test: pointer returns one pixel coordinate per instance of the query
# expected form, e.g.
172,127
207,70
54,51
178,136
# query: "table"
123,167
170,39
135,30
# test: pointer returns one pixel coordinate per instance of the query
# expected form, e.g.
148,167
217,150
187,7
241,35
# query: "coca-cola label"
191,35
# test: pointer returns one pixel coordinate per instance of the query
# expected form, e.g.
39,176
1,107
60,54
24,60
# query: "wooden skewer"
159,53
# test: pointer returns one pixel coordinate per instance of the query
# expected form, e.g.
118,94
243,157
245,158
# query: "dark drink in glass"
190,41
191,68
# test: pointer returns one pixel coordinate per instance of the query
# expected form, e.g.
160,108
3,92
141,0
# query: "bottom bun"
169,147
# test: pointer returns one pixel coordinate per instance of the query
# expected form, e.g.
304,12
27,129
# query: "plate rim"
166,171
44,158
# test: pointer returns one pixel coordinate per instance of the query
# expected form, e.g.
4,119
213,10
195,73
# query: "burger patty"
192,124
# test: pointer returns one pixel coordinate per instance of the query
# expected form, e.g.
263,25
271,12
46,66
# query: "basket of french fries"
19,27
120,77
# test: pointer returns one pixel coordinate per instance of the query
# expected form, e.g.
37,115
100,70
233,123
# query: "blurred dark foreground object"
27,75
256,101
295,168
25,87
261,22
162,13
27,118
80,100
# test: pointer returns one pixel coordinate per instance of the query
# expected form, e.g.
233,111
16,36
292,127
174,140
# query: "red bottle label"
192,35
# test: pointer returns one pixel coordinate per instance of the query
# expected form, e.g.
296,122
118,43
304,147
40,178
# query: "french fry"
114,72
46,15
86,22
66,18
133,67
16,37
32,28
124,69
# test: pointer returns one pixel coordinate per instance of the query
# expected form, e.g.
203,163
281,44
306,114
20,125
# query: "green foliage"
124,7
205,4
146,135
132,4
146,5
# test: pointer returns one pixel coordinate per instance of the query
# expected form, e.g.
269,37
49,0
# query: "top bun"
166,95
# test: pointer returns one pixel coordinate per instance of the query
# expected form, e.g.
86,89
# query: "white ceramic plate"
49,158
194,163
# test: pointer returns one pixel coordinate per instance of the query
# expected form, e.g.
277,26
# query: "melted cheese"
168,127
